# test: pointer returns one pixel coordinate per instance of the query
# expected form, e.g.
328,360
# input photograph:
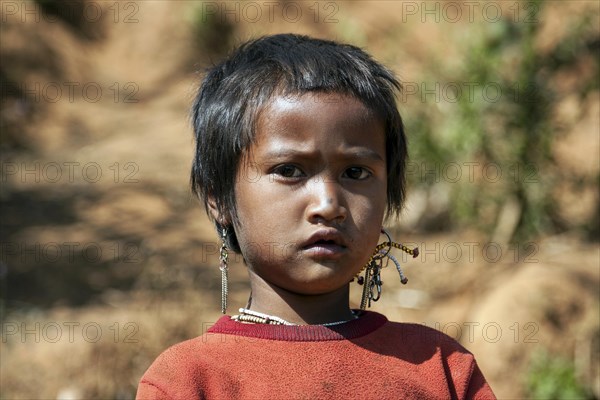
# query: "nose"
326,202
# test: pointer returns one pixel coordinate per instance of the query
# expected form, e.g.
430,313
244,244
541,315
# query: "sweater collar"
368,322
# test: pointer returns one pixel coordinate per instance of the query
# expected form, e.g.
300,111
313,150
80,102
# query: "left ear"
218,216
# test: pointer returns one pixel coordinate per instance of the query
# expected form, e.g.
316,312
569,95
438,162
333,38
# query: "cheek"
257,231
368,213
368,208
368,225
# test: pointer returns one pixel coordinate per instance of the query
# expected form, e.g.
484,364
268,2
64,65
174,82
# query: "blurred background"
107,259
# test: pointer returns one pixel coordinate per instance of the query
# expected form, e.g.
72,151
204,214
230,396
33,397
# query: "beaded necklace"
255,317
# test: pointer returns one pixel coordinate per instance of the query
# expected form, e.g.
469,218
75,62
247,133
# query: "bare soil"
143,273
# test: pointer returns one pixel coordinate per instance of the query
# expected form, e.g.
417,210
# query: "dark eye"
357,173
288,171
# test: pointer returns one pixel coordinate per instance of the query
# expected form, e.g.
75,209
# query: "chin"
316,289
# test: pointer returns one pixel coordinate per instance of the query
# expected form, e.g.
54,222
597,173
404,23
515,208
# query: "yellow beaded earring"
372,278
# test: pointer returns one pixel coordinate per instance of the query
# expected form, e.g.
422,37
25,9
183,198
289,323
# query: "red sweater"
369,357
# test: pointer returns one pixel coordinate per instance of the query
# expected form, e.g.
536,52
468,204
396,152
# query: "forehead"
318,116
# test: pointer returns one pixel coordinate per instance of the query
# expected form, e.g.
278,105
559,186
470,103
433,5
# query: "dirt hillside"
107,259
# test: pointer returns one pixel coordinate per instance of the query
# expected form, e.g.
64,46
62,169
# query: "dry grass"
170,290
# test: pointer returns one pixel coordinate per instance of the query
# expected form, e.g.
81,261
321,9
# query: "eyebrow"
360,153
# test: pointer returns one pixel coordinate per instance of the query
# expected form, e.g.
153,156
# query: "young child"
300,155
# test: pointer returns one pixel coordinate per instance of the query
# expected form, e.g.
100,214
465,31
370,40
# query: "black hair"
234,92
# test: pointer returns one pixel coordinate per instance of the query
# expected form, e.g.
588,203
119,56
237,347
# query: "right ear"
223,220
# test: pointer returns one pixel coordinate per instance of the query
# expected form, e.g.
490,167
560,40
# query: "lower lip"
325,250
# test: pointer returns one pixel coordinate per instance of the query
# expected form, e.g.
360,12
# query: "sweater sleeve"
149,391
465,379
172,376
478,387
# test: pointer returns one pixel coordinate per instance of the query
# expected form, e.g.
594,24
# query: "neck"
299,308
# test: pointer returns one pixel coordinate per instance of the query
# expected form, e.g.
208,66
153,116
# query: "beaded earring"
372,278
223,267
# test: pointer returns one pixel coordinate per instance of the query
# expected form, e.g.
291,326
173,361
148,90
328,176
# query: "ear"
216,214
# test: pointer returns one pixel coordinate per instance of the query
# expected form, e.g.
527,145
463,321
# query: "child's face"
311,192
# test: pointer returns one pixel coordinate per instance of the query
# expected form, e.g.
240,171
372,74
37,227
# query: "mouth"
325,244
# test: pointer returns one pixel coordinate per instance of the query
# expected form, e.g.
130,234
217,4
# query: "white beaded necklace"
256,317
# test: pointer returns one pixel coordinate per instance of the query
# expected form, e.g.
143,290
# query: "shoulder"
410,334
428,340
182,370
180,354
428,346
171,372
433,354
420,345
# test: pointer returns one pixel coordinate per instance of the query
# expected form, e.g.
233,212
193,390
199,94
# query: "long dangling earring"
223,267
372,279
